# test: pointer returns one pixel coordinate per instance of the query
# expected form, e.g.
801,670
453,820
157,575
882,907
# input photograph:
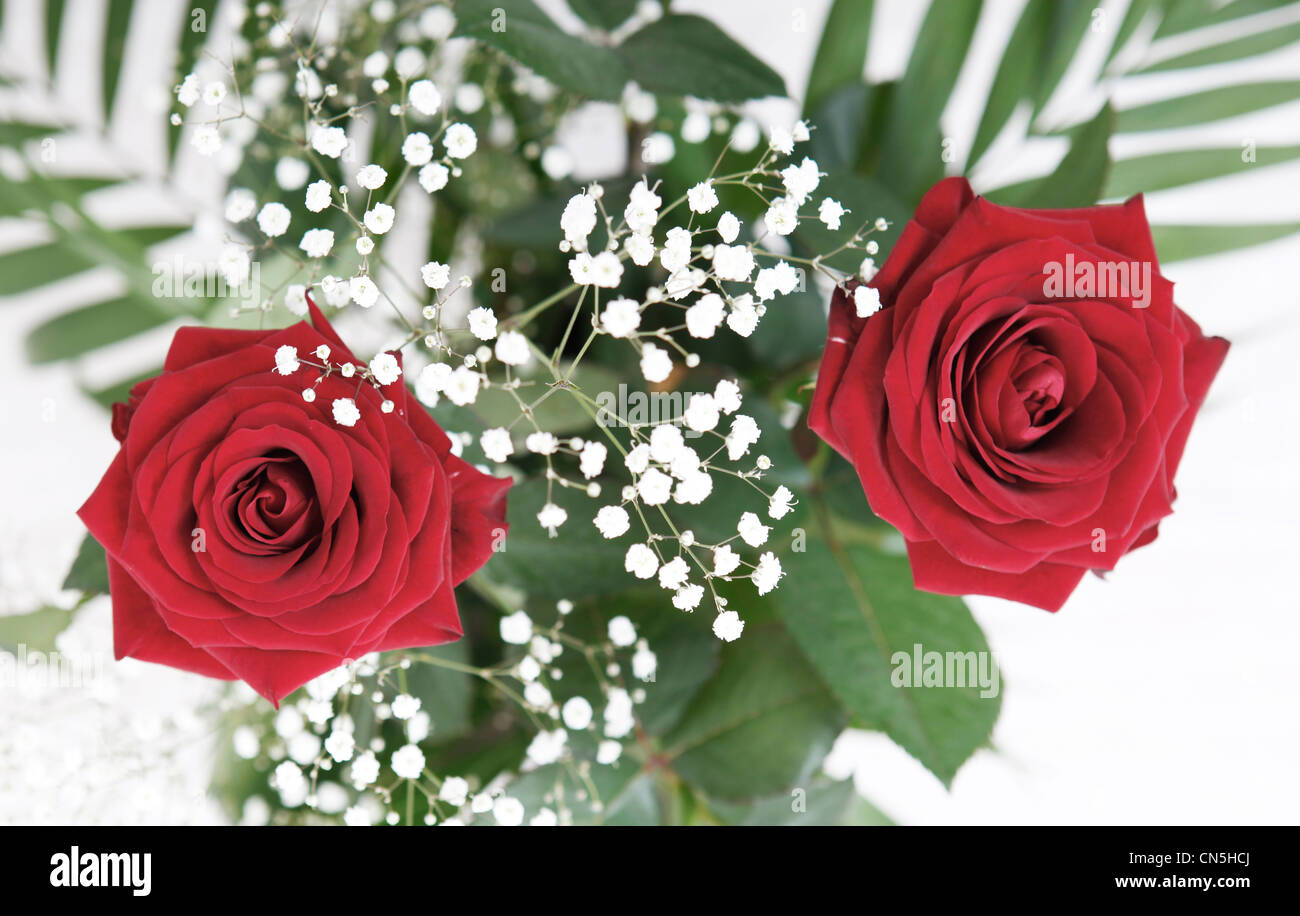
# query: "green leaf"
1137,11
1182,243
89,572
53,28
759,726
1204,107
37,630
792,331
444,694
18,133
686,649
850,127
521,30
626,796
1186,15
1246,46
17,195
115,32
854,607
911,161
1016,78
119,391
30,267
834,804
1080,178
689,55
607,14
841,54
92,326
1070,21
577,565
1174,169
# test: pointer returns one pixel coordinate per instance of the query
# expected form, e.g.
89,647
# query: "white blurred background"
1165,694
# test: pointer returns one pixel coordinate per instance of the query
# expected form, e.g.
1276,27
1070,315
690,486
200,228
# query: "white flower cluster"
712,278
383,370
218,118
317,761
706,275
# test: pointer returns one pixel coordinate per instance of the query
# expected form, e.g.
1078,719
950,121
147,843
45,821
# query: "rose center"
1039,379
274,503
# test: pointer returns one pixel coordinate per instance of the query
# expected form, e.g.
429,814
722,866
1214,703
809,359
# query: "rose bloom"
251,536
1018,428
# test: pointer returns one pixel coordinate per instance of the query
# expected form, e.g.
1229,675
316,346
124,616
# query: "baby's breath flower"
433,177
364,291
688,598
496,444
612,521
706,315
728,626
408,762
866,301
752,531
482,323
379,218
767,573
295,299
273,219
317,243
385,368
728,227
641,561
702,198
542,443
656,365
345,412
831,212
371,177
318,196
435,275
460,141
512,349
286,359
621,317
417,148
425,97
517,628
329,141
577,712
240,204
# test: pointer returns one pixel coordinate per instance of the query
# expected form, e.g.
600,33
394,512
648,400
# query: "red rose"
1018,406
251,536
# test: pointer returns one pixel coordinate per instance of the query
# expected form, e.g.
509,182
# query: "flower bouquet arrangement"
538,427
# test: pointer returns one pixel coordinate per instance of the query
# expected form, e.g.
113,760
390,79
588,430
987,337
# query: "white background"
1166,694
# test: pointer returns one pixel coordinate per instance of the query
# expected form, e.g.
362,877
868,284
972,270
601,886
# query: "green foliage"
36,630
889,133
689,55
760,725
518,28
89,572
854,610
841,53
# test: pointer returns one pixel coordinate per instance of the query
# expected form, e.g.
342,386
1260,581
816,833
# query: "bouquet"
540,430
